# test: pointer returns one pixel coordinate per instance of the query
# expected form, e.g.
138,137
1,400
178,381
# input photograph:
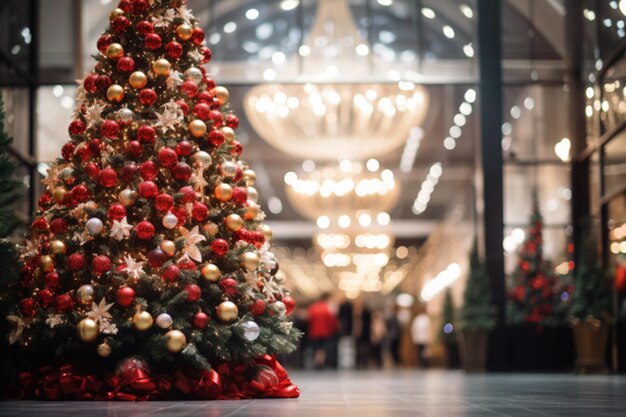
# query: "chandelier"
335,109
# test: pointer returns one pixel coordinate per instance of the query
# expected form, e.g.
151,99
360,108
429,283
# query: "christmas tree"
537,296
592,296
477,311
148,254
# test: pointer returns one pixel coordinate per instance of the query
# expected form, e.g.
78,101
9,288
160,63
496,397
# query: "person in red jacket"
323,326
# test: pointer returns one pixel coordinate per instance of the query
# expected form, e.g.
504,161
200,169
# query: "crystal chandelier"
335,109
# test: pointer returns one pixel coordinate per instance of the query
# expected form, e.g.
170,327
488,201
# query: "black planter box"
532,348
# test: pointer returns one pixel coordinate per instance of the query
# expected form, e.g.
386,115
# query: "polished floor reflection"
378,394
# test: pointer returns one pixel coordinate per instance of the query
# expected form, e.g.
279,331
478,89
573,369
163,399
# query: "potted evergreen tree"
447,333
589,311
477,316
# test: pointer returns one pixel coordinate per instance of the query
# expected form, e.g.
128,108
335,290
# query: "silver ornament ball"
127,197
94,226
170,221
250,330
164,321
253,194
228,169
125,116
194,74
201,159
279,307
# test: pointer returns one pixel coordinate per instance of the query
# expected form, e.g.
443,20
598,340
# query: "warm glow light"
443,280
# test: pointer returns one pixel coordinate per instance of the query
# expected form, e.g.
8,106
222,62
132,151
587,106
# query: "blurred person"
323,327
393,335
361,330
377,338
420,334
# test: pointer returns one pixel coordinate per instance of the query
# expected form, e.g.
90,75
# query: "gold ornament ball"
87,330
197,128
234,222
267,232
168,247
211,272
115,13
250,177
184,32
223,192
115,93
229,134
142,320
249,260
227,311
59,194
46,263
222,95
161,66
85,294
57,247
104,350
138,79
115,51
176,341
211,228
252,212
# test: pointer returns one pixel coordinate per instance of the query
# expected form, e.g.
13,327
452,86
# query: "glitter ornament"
201,159
168,157
107,177
170,221
145,230
189,88
176,341
125,64
94,226
147,189
87,330
170,274
174,49
229,286
164,321
100,264
142,320
216,137
85,295
164,202
219,247
210,272
228,169
152,41
146,134
148,171
201,111
249,330
147,97
197,35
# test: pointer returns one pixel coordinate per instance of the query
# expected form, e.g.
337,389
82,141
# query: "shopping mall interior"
443,183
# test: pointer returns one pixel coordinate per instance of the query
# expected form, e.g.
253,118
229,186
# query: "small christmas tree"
148,253
592,296
477,311
447,333
536,292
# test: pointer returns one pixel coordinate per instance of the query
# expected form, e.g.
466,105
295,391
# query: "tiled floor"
381,394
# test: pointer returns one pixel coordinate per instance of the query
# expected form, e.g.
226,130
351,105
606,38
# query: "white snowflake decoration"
174,80
54,320
120,230
94,113
192,238
171,116
134,269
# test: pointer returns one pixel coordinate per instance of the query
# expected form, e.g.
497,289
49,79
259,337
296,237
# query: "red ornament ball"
171,274
184,148
240,195
129,171
101,264
125,297
182,171
40,224
125,64
64,303
147,97
110,129
168,157
76,261
216,138
58,226
103,42
144,230
232,121
107,177
193,292
148,171
144,28
164,202
52,280
199,212
189,88
219,247
116,212
197,35
67,151
217,118
146,134
139,7
174,50
94,146
152,41
134,149
157,257
258,307
27,307
120,24
236,150
206,97
188,194
80,192
202,110
228,286
103,82
147,189
289,303
200,320
45,297
77,127
206,53
89,84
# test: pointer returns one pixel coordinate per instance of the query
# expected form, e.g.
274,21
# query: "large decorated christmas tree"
148,274
537,296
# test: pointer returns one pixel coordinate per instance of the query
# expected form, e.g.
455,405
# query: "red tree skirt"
227,381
